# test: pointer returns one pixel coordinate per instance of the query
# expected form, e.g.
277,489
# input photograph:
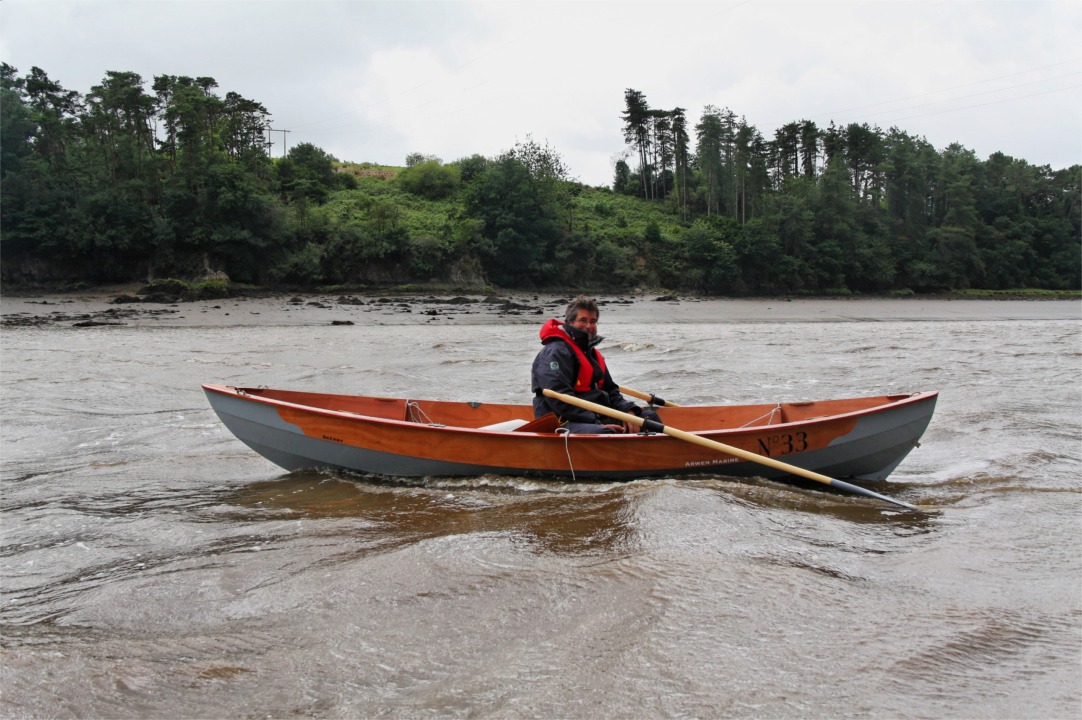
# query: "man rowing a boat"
569,363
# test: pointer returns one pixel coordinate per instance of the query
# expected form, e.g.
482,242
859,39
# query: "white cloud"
373,81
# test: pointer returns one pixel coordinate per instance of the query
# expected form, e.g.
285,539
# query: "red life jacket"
554,329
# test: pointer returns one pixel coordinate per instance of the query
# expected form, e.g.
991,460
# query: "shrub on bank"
209,290
165,286
173,290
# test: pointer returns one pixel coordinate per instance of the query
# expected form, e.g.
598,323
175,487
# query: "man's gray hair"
582,302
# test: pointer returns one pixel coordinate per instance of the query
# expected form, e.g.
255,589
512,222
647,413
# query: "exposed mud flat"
124,308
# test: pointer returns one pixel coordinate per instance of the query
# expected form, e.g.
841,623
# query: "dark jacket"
556,367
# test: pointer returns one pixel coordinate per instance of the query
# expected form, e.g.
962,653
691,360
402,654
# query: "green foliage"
165,286
416,158
307,174
429,179
1023,294
520,224
303,266
427,255
470,167
710,257
128,182
622,181
210,290
616,266
180,290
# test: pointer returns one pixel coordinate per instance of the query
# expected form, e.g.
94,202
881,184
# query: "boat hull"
862,438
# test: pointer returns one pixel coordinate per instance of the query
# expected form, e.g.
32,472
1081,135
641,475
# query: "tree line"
852,207
176,180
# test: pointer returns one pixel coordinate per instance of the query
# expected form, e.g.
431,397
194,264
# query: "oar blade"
858,490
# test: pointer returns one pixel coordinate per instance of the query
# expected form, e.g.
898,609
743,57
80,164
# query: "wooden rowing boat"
863,438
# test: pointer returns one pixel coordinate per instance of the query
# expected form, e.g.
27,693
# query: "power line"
959,87
991,102
976,95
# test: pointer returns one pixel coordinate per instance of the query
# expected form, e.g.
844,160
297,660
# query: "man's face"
586,320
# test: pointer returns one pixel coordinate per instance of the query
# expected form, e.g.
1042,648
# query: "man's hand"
645,413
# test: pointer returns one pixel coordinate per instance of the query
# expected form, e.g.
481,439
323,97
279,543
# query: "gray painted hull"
870,450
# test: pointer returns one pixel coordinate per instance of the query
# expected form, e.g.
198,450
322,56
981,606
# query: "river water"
153,566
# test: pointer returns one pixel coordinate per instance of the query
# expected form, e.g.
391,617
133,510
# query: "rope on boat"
566,433
417,415
770,417
241,391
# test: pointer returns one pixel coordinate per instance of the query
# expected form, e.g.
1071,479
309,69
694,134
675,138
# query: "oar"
648,397
654,426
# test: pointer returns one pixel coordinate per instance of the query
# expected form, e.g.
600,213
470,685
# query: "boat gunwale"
240,393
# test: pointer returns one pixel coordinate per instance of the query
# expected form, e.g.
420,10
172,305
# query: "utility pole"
283,138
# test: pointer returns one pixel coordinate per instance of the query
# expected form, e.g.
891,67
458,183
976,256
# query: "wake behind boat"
862,438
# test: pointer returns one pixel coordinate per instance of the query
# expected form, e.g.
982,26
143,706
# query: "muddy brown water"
153,566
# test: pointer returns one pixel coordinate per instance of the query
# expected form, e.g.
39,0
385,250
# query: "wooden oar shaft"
648,397
722,447
691,438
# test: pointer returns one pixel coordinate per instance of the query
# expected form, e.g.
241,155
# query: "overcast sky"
374,81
